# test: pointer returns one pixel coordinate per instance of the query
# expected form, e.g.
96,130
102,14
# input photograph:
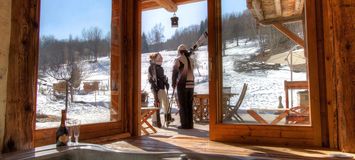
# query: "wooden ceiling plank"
169,5
299,5
278,7
289,34
257,9
151,4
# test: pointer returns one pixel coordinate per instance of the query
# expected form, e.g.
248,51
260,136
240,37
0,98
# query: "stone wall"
5,28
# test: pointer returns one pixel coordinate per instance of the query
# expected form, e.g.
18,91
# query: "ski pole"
171,99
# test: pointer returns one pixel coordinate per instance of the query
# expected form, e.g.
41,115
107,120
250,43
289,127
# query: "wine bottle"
62,131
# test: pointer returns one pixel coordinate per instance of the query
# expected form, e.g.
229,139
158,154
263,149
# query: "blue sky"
188,14
64,17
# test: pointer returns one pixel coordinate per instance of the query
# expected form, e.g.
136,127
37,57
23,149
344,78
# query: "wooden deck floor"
196,141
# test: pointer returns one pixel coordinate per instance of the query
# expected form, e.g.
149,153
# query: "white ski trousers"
164,101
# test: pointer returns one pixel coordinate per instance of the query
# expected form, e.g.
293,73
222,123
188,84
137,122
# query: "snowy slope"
264,87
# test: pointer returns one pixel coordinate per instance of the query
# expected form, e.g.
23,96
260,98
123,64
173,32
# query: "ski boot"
157,123
168,119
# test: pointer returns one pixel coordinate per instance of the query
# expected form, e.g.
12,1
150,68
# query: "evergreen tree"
145,46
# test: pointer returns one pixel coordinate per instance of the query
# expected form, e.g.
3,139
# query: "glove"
166,83
156,103
194,47
173,85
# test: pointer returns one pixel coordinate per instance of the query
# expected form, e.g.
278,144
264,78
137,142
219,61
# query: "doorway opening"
161,38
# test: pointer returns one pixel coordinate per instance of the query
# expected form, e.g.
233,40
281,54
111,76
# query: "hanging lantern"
174,21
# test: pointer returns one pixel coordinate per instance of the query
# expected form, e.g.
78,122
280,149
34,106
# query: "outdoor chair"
232,111
298,115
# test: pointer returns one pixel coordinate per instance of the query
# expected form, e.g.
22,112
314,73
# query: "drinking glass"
76,131
69,125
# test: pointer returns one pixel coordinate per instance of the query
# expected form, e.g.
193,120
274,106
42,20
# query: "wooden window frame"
120,122
254,133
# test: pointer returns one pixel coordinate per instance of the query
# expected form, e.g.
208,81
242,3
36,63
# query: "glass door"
263,80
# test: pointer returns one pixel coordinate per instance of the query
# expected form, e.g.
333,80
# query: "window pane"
262,69
74,62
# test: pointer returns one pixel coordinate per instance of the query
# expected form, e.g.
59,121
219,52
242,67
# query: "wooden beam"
151,4
22,76
168,5
289,34
278,7
299,5
257,9
341,20
5,30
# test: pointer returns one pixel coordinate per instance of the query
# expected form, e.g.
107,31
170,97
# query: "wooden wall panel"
330,75
352,68
339,24
20,113
5,29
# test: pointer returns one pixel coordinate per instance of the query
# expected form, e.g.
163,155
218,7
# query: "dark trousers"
185,97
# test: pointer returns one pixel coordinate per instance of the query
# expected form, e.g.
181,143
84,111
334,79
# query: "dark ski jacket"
156,77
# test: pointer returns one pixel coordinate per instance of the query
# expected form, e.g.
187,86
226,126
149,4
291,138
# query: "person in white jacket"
183,79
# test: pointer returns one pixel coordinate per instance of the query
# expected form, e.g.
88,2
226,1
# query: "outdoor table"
146,113
201,102
282,113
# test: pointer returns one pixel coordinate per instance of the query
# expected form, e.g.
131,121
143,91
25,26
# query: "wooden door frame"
257,134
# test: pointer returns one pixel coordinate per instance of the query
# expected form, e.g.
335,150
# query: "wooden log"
257,8
21,93
289,34
5,29
168,5
278,7
151,4
299,6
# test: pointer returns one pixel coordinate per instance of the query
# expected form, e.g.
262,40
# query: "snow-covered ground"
93,107
264,87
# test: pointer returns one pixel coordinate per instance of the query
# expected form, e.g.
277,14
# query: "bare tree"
156,34
72,74
93,37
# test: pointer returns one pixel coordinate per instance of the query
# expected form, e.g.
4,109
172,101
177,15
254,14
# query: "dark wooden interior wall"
21,76
344,29
339,38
